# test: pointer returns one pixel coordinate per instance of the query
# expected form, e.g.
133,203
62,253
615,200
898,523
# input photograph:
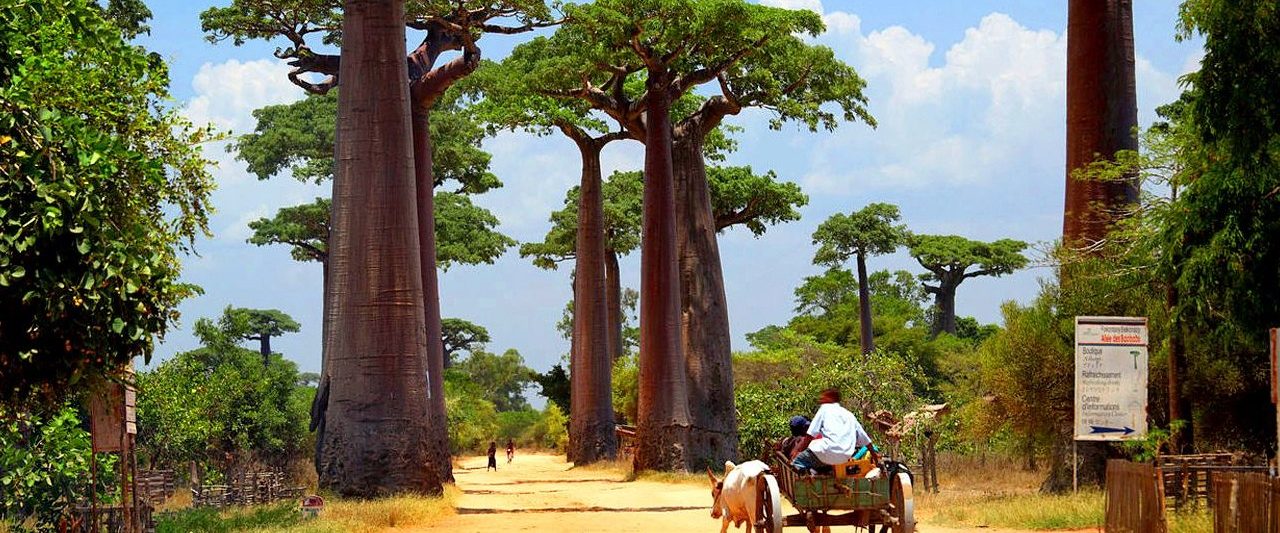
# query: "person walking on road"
493,457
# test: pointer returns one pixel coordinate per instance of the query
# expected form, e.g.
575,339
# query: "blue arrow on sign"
1099,429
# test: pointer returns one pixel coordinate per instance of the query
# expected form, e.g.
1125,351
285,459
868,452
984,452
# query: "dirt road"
543,493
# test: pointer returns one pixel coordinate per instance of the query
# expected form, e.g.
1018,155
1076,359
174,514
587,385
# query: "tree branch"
704,75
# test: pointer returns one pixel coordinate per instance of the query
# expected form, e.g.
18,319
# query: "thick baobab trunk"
864,307
1102,113
663,425
945,303
264,348
424,184
591,428
376,436
704,322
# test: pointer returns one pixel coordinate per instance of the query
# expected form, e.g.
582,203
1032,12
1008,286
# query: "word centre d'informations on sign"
1111,378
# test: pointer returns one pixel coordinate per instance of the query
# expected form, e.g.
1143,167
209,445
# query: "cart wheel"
904,508
768,505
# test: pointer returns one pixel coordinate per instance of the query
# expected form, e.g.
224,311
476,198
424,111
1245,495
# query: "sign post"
1111,378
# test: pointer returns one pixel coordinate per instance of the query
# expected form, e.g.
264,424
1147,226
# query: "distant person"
836,433
493,457
511,450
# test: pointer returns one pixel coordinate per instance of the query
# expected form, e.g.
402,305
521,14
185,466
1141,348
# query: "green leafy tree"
99,192
873,230
473,420
258,325
554,386
461,335
949,258
593,59
220,406
500,378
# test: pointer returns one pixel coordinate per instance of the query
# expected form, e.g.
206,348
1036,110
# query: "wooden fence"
1245,503
1135,498
246,489
156,486
1187,477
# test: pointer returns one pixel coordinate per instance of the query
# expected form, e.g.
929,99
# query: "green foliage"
254,324
873,230
554,385
1234,101
499,379
949,255
461,335
466,233
741,197
1157,440
472,418
215,520
44,467
305,228
626,387
299,137
1027,370
220,406
777,384
551,431
99,190
513,425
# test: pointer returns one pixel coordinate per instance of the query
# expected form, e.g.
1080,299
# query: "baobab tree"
644,68
449,26
872,230
1102,115
949,258
259,325
622,201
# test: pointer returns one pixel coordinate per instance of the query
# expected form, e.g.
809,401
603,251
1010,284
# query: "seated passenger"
799,439
836,433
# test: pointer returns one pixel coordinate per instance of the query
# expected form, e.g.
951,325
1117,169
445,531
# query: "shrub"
44,467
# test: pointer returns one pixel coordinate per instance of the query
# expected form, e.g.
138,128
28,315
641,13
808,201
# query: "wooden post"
1275,382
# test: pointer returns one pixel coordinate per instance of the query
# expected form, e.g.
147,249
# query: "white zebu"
736,498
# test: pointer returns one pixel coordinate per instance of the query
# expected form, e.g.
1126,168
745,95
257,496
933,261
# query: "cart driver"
836,433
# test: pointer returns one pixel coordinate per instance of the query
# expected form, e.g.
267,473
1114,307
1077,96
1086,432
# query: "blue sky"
969,96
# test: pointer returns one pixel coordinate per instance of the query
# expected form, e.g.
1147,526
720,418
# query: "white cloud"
228,92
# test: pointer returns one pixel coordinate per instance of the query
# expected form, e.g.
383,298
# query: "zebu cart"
836,500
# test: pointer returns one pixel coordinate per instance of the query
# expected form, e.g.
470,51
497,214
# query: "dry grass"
1000,493
1197,521
358,516
387,514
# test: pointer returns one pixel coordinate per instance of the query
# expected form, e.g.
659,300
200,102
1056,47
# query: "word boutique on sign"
1111,378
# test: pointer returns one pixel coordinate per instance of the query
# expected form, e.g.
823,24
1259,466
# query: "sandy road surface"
543,493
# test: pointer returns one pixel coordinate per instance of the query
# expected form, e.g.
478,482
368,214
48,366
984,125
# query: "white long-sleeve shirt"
841,432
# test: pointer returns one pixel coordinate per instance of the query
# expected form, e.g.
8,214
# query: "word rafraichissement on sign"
1111,378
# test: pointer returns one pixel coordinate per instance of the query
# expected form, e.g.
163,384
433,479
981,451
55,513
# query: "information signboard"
1111,378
